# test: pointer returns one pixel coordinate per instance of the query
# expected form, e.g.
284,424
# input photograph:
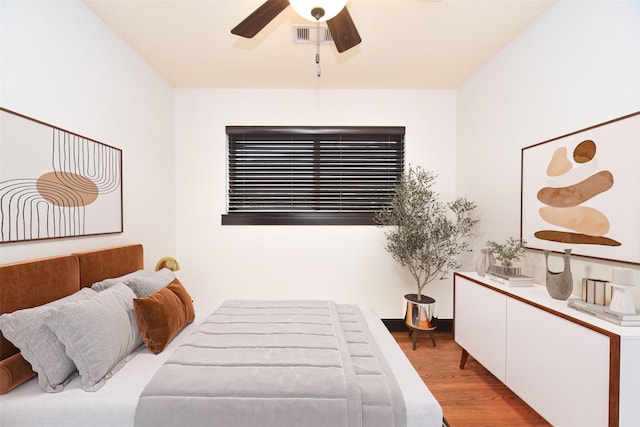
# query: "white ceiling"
406,44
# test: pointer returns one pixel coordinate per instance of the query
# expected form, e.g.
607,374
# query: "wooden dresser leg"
463,358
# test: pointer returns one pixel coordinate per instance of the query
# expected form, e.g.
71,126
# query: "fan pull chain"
318,71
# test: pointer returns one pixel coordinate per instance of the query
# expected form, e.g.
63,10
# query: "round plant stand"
419,315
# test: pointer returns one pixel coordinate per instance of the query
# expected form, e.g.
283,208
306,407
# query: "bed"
116,400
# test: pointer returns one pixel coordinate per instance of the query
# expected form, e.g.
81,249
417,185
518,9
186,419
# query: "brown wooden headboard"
105,263
32,283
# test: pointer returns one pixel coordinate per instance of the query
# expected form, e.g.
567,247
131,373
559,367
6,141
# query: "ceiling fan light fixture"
306,8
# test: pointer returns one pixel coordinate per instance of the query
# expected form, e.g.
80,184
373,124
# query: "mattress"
115,403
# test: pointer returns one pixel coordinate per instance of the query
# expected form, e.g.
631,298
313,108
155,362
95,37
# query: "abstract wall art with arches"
582,191
55,183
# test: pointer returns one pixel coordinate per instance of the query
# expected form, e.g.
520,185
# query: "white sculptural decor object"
622,283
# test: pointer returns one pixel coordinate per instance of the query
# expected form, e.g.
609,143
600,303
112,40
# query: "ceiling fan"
335,13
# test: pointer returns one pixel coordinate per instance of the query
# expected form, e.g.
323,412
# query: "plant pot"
506,270
419,312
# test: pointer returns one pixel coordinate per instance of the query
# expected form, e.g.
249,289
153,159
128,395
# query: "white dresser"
573,369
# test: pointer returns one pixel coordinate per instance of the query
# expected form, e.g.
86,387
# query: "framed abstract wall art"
55,183
582,191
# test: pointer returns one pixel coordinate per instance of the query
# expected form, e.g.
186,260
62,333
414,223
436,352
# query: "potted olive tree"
425,235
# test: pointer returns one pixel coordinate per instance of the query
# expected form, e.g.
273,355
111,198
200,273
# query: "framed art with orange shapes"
55,183
582,191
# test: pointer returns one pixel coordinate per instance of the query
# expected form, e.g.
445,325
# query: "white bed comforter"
114,405
273,364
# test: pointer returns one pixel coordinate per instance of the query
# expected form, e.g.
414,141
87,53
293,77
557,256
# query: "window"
311,175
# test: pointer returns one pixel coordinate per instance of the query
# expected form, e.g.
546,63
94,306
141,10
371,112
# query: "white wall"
64,66
578,65
345,263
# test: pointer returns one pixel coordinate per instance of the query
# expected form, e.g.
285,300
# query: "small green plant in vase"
507,253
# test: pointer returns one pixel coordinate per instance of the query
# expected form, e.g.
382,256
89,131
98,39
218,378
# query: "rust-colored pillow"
14,371
163,314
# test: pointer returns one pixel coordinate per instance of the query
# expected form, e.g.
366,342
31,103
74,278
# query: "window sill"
306,218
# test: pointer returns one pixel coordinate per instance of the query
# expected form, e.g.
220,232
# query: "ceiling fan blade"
260,17
343,31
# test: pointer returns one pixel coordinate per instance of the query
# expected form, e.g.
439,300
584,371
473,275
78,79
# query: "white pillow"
39,346
107,283
144,285
99,333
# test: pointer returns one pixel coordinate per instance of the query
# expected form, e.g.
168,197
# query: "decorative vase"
559,284
481,266
491,261
486,262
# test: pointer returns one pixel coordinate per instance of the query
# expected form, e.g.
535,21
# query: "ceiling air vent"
309,34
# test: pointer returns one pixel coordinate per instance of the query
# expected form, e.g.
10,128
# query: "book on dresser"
603,312
518,280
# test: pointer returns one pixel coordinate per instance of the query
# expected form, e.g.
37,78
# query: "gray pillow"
107,283
144,285
39,346
99,333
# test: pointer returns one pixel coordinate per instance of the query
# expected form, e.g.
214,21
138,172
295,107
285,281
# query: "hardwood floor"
469,397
